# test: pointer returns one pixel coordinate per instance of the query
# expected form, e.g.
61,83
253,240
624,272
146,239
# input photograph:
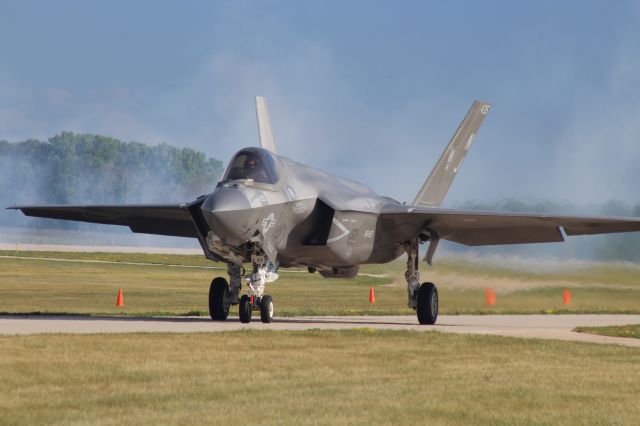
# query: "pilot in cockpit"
248,165
254,170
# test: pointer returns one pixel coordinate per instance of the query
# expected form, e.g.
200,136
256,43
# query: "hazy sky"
371,90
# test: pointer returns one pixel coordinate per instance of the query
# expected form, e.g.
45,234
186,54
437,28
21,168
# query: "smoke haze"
88,169
372,92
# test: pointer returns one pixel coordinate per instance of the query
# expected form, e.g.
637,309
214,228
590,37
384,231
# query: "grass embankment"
632,330
155,288
314,377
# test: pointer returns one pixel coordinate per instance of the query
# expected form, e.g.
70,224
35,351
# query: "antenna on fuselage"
264,125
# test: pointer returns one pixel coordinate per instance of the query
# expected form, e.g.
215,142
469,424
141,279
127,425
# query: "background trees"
85,168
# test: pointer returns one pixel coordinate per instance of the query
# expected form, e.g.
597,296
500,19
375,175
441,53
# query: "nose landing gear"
247,305
263,273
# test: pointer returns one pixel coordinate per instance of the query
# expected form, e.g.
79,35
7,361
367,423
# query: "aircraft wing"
172,220
476,228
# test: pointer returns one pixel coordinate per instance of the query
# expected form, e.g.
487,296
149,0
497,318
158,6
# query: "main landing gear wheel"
266,309
427,309
218,299
245,309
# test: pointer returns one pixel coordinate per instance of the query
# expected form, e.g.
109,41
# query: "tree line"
85,168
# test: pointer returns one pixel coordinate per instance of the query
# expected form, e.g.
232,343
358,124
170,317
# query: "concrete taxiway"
531,326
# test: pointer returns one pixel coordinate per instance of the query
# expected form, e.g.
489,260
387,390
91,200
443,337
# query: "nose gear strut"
263,273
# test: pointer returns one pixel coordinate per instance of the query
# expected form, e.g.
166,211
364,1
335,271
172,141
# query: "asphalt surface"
530,326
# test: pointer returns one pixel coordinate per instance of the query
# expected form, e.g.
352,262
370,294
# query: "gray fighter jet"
271,212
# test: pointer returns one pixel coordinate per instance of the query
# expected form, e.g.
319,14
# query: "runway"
531,326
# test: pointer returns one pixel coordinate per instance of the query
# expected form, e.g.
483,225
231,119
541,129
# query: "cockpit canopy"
256,164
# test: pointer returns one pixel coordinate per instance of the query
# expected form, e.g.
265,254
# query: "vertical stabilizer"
439,181
264,125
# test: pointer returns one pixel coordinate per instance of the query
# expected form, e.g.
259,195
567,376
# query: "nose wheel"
245,309
247,305
266,309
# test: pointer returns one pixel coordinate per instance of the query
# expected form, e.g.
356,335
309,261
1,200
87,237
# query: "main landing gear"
219,299
222,295
422,297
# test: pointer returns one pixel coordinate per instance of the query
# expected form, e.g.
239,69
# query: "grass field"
632,330
156,284
314,377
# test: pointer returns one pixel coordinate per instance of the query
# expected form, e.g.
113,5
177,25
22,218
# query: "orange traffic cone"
490,296
372,295
120,300
566,296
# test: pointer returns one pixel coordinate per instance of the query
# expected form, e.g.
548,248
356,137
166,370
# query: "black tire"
266,309
245,309
219,299
427,304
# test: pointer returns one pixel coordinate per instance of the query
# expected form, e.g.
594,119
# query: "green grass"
314,377
154,287
632,330
173,259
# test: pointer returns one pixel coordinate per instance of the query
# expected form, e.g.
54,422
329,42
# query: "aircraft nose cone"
227,211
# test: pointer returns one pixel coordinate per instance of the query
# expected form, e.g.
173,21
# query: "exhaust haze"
369,91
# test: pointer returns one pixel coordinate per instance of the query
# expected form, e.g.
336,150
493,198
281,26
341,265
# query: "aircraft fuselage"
297,217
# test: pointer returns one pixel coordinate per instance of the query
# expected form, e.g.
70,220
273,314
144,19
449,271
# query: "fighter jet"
270,212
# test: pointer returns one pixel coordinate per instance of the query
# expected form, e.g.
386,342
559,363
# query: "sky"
369,90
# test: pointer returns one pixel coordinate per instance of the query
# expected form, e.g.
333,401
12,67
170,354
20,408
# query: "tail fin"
264,125
437,184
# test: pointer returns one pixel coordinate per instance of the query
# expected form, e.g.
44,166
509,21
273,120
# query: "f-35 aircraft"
272,212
